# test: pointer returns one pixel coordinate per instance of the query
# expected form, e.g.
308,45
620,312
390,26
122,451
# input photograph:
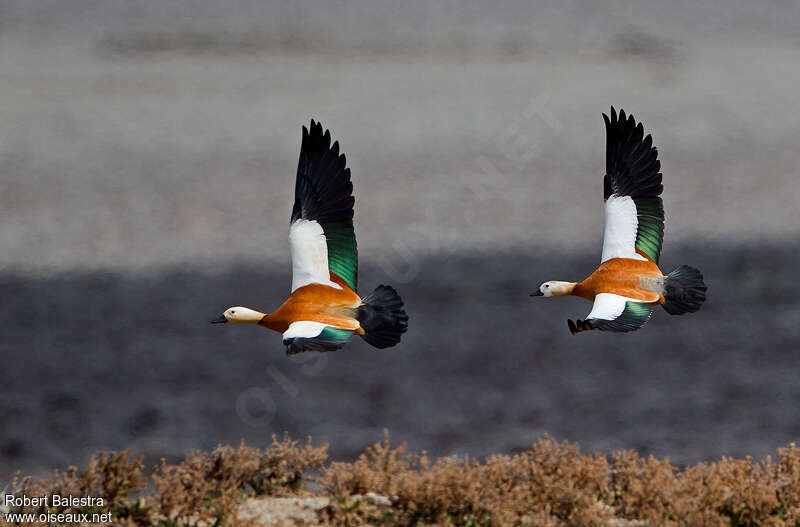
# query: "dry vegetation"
552,484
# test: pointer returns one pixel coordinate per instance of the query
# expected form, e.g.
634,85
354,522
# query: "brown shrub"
569,485
552,481
112,476
787,472
552,484
207,487
642,488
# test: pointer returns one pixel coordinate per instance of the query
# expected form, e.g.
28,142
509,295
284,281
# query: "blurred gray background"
147,160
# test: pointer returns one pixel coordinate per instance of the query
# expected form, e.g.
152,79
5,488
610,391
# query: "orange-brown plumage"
629,284
324,311
318,303
636,279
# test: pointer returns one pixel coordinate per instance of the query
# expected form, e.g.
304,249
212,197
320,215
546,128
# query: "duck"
324,310
628,285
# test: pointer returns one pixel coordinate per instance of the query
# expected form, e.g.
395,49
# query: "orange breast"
317,303
635,279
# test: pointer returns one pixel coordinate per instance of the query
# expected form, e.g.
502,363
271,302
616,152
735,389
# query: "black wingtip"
579,326
613,117
570,323
632,165
315,130
618,117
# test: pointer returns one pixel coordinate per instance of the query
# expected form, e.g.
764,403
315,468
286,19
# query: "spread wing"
614,313
632,188
321,235
304,336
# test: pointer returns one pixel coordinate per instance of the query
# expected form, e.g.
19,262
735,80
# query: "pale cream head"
556,288
239,315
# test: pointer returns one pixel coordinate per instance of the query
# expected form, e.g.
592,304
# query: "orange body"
318,303
637,279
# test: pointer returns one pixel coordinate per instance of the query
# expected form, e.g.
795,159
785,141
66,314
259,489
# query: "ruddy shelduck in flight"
628,285
324,310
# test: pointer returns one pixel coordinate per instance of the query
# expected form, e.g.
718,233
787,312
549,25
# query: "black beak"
537,293
219,320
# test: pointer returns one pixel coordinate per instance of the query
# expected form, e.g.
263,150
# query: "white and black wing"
303,335
615,313
634,212
321,235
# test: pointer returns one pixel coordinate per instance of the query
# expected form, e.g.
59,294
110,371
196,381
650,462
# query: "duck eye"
547,286
233,311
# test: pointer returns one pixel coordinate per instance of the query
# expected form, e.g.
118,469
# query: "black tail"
382,316
684,291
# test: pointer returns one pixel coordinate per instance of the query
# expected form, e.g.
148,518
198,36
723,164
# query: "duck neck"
270,321
245,315
564,288
578,289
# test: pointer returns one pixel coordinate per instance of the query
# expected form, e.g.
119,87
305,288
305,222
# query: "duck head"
239,315
555,288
